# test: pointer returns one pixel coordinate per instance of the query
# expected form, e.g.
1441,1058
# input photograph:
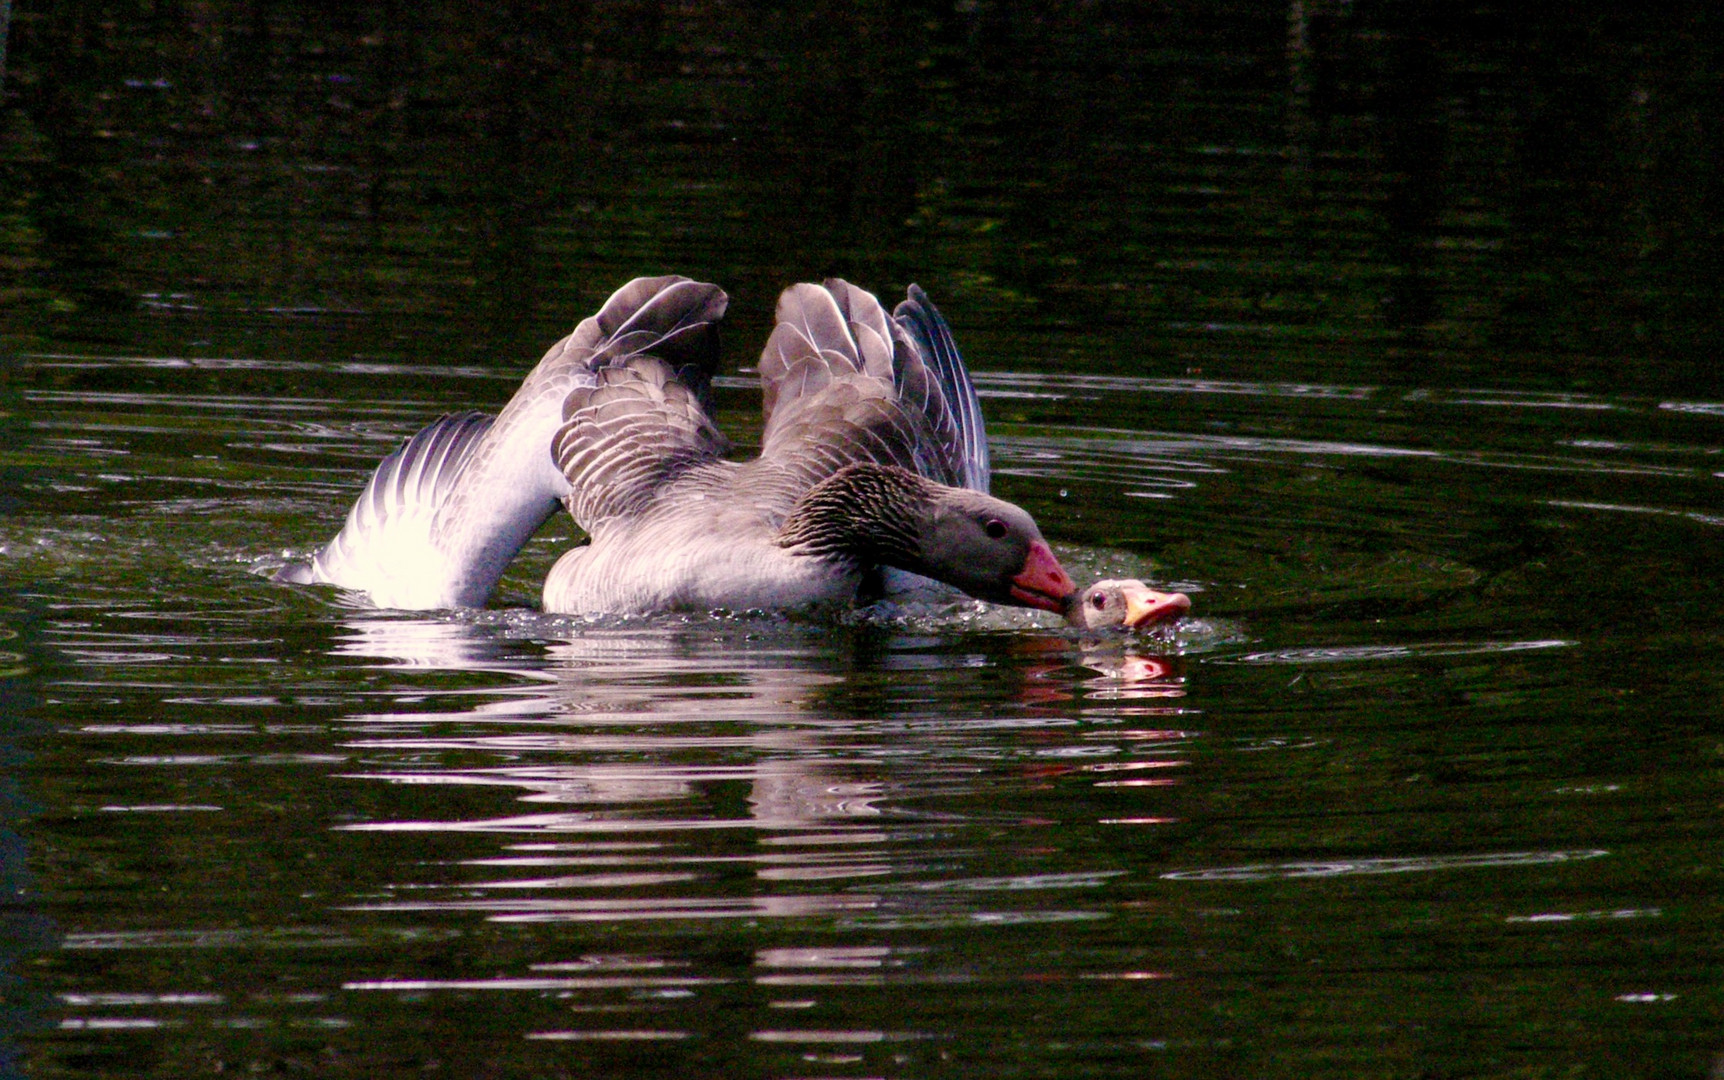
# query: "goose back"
672,524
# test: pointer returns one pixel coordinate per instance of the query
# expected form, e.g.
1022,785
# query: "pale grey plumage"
442,517
674,525
871,434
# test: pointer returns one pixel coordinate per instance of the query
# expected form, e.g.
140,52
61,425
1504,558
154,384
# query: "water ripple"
1342,654
1694,408
531,983
1626,508
1058,385
621,909
1350,867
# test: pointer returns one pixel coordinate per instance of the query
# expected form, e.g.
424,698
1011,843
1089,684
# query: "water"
1427,782
1393,357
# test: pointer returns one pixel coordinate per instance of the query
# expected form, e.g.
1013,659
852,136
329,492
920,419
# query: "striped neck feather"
864,513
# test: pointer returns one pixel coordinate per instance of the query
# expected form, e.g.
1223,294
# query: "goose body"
873,455
684,553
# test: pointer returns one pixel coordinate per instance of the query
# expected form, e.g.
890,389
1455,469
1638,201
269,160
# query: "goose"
1127,604
873,462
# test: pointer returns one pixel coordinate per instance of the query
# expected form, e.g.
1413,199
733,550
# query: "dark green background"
1352,190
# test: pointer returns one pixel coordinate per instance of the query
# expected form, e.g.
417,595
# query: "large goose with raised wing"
873,455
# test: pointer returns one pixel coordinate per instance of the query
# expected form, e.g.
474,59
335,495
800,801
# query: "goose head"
869,514
1126,603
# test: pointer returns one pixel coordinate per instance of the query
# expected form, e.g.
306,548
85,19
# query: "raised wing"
674,318
622,438
385,544
441,518
843,383
931,339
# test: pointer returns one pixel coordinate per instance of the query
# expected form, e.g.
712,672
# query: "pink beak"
1043,582
1145,607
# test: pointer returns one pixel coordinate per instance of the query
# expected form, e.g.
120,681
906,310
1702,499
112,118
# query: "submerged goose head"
1126,603
870,514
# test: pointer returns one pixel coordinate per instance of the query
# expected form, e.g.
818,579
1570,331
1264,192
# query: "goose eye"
1099,600
995,528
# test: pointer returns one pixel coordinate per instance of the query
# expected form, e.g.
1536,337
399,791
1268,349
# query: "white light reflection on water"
1586,916
1343,654
787,1036
1347,867
1058,384
1018,883
1625,508
627,982
621,909
1694,408
863,956
143,999
629,1035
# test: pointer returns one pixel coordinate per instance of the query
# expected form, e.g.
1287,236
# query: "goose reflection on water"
634,692
628,744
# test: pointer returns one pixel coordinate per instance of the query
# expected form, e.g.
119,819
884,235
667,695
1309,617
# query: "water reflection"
439,644
762,834
668,766
1409,865
1366,653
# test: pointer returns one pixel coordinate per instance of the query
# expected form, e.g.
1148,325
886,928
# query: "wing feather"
672,317
440,520
842,383
626,436
925,334
390,523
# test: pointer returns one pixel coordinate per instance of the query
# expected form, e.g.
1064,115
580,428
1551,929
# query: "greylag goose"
873,456
1127,604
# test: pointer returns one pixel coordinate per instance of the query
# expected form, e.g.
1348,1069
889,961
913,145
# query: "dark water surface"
1386,336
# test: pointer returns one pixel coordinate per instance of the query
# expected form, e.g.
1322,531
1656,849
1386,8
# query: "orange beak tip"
1146,607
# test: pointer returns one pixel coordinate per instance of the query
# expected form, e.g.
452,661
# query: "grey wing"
512,482
843,383
515,482
675,318
637,428
417,543
931,339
